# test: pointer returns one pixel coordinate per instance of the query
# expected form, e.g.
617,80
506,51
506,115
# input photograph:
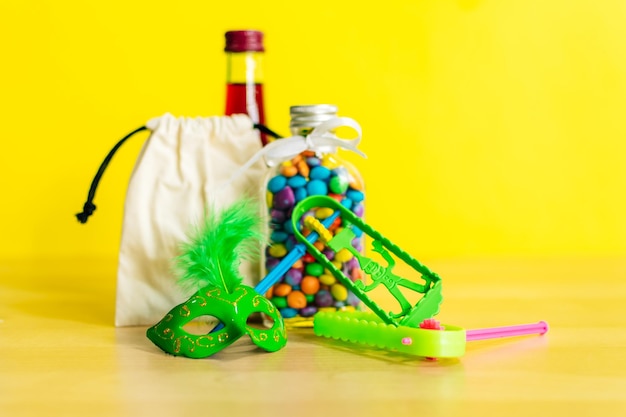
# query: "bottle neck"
244,86
244,67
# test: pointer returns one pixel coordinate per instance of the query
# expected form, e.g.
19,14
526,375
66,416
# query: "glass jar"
306,287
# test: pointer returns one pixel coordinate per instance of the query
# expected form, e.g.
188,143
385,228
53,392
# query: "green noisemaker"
412,330
409,315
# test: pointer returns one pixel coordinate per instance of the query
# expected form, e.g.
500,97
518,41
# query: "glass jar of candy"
306,287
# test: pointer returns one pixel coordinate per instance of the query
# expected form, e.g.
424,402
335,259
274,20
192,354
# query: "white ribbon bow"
320,139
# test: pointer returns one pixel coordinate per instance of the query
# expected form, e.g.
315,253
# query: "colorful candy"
323,298
296,299
307,287
281,290
327,279
310,285
314,269
344,255
338,185
278,250
339,292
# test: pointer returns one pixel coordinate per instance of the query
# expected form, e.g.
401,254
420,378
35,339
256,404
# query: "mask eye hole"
259,321
201,325
268,322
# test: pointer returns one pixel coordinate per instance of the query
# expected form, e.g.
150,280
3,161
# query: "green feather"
216,247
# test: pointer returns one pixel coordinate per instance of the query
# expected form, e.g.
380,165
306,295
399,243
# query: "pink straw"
506,331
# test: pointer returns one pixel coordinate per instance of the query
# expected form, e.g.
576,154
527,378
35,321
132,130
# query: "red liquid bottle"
244,75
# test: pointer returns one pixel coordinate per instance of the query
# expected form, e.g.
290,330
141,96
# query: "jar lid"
244,41
311,115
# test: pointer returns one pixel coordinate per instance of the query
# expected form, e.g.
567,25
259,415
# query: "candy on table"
311,285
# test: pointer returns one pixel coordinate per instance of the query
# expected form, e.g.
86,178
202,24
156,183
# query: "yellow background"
492,128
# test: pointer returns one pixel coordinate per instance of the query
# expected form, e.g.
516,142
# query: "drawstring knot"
88,209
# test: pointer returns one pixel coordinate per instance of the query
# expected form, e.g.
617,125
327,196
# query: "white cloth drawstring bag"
179,174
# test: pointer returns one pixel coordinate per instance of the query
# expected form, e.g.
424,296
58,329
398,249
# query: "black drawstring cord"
267,131
89,207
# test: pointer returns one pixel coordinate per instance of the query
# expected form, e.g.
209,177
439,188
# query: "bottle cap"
244,41
311,115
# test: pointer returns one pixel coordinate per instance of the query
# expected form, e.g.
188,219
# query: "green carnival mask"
232,309
209,267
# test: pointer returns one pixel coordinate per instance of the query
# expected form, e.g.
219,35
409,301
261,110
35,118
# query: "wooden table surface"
61,355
